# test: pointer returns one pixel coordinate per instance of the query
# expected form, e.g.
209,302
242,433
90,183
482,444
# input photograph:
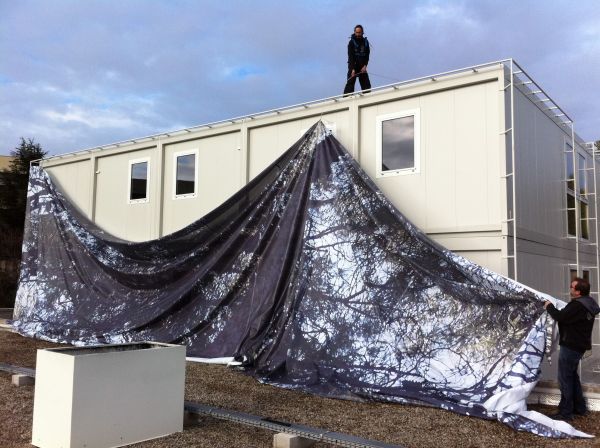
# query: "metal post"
160,193
596,217
594,165
576,181
93,188
514,183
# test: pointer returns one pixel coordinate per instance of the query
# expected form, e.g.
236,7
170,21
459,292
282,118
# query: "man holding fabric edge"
358,59
575,324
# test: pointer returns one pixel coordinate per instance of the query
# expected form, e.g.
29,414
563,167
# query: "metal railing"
295,107
307,432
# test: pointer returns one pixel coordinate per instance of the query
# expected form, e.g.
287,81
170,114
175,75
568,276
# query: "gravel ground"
408,426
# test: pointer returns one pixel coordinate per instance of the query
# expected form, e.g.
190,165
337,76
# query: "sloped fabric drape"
308,272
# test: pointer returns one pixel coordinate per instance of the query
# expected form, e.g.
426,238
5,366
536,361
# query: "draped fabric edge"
504,406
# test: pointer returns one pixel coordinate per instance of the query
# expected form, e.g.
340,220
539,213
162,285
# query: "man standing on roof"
358,59
575,324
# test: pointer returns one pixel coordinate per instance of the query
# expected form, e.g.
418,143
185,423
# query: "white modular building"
481,159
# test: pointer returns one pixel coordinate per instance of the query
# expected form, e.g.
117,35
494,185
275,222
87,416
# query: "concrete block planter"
108,396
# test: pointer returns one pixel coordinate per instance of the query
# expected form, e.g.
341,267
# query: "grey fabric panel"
309,274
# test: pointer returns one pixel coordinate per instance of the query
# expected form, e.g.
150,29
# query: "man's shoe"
581,414
559,416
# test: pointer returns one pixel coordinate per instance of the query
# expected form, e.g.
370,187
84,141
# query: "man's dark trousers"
571,395
363,78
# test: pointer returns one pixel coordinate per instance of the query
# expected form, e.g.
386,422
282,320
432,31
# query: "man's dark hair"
581,285
359,26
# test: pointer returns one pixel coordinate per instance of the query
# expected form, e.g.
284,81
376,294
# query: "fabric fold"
311,275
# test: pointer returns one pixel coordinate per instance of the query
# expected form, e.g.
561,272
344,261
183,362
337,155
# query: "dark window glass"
584,274
139,181
570,172
583,212
186,174
582,176
571,222
398,144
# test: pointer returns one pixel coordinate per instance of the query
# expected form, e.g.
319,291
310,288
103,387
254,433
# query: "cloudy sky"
75,74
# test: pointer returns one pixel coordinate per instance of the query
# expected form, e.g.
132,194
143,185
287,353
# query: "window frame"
571,211
582,176
130,178
379,119
573,158
177,154
582,197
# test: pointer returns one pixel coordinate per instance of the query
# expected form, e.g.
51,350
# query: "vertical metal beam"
93,188
576,181
514,164
595,220
355,129
503,157
160,191
595,165
244,153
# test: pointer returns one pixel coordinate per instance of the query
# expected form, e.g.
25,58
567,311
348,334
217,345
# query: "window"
576,194
585,274
398,143
582,181
138,181
570,184
583,202
573,274
571,221
186,174
583,217
569,168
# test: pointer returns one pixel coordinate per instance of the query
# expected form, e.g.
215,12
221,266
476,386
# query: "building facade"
5,162
481,159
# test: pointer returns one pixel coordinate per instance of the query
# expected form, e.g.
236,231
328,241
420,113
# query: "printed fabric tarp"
312,276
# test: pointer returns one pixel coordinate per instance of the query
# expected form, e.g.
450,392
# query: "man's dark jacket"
575,322
358,52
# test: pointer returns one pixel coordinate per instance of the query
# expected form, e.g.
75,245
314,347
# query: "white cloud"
94,118
80,74
437,13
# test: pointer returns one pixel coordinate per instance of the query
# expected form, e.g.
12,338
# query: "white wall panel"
114,213
490,259
218,163
406,191
458,183
477,149
74,180
269,142
439,139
